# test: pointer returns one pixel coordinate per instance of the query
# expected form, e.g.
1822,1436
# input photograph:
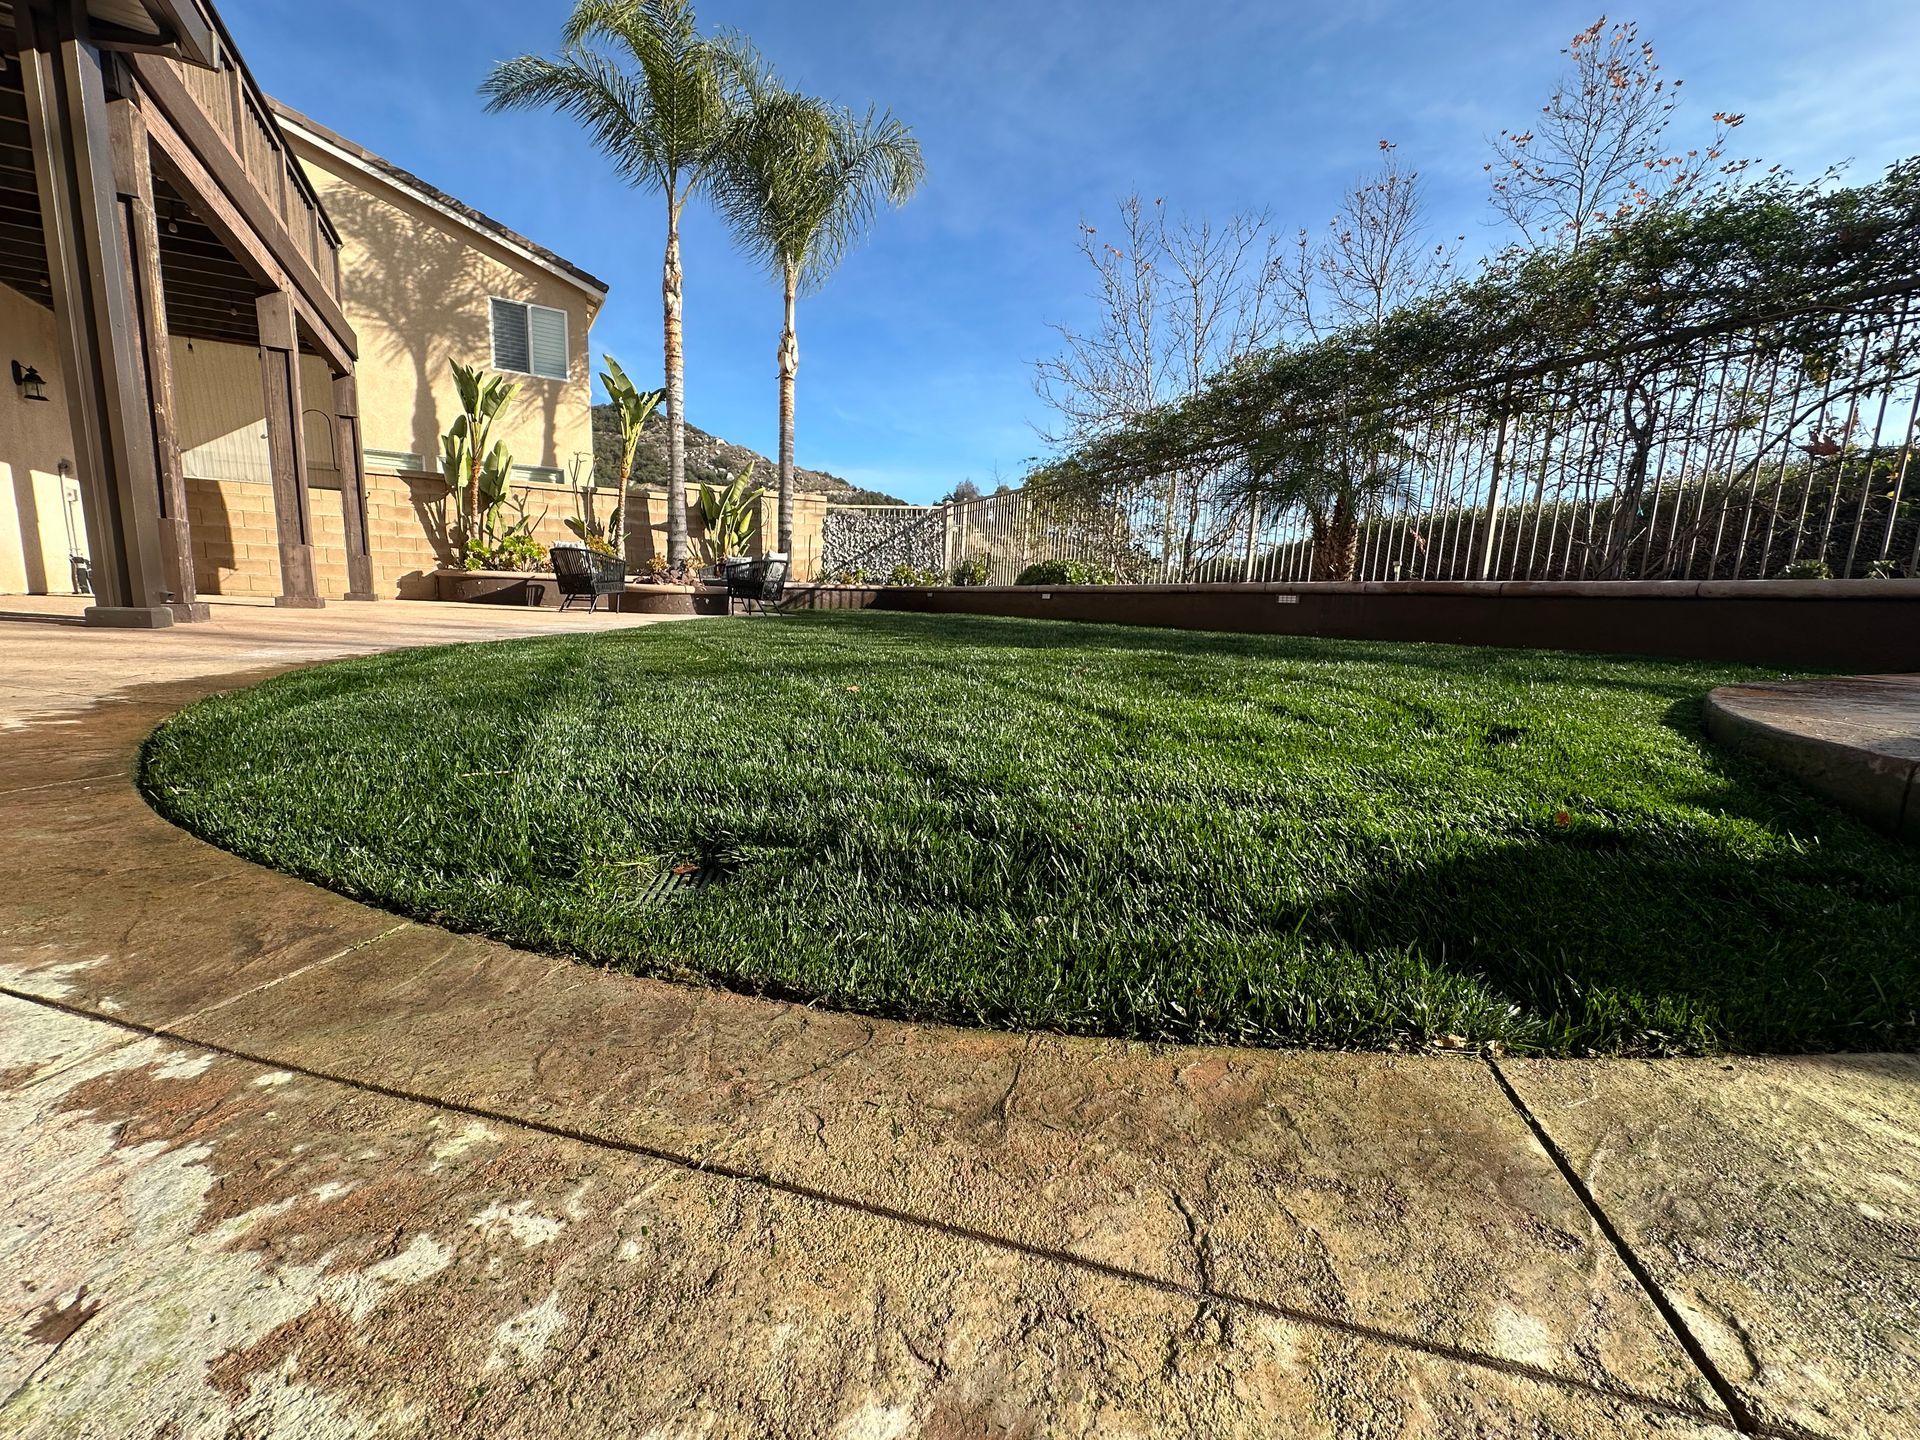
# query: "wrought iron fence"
1758,450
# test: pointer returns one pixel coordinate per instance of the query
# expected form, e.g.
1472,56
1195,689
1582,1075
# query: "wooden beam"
217,171
140,256
95,313
287,449
181,167
353,487
190,32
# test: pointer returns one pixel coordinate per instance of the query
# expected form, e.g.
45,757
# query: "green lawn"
1133,832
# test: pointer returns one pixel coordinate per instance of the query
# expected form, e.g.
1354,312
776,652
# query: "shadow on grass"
1640,939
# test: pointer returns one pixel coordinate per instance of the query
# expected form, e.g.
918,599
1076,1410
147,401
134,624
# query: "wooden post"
157,461
64,85
353,488
286,449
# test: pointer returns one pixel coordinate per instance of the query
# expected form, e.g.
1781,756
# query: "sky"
917,357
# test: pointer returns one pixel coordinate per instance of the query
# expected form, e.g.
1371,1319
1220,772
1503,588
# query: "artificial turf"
1135,832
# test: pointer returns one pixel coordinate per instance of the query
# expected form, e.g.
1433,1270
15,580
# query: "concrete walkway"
280,1164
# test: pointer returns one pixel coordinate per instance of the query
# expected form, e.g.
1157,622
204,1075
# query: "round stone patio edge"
1813,731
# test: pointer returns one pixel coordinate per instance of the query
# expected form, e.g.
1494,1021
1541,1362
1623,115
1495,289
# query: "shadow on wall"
211,528
427,291
26,503
432,501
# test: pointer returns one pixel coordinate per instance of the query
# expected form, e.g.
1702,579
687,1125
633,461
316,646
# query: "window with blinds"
529,339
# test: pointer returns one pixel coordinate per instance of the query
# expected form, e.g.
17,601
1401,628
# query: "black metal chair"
761,583
584,574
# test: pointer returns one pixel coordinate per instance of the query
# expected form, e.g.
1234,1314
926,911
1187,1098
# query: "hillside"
712,461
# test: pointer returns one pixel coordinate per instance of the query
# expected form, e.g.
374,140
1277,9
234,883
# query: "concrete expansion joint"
1738,1412
1734,1418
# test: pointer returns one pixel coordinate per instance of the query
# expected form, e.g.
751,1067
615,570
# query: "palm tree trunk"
789,367
1333,544
671,308
1342,539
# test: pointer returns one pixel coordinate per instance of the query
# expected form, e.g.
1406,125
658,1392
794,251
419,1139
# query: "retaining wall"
1805,624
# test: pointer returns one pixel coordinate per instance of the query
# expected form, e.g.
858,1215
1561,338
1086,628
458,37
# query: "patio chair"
584,574
761,583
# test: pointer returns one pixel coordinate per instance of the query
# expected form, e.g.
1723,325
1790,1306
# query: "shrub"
1063,572
904,574
974,570
513,551
654,570
1808,570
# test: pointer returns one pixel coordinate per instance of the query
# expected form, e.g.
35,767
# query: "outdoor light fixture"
31,383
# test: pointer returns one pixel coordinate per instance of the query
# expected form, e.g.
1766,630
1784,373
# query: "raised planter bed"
517,587
495,587
1816,624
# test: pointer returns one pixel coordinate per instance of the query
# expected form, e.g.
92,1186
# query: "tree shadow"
425,291
1793,932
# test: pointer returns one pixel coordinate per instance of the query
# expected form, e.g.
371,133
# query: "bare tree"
1375,257
1111,372
1599,150
1176,301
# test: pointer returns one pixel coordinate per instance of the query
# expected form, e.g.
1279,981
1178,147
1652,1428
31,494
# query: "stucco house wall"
40,522
417,272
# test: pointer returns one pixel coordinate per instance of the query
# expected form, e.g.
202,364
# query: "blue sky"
916,365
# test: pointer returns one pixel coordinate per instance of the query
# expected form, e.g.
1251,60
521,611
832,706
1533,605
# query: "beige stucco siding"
40,520
415,285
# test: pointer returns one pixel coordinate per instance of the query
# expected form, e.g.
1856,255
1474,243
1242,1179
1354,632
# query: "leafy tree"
1624,339
800,181
1332,474
658,99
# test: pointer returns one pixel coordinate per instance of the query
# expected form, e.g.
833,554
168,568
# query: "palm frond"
655,96
801,180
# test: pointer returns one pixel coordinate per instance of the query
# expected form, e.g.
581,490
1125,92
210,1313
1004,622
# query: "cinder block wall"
236,548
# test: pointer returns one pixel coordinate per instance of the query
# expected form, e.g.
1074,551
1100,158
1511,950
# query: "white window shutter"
547,332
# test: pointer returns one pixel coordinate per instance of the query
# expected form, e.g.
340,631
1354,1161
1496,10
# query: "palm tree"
660,106
800,181
1334,478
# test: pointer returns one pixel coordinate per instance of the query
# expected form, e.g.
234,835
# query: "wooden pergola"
147,191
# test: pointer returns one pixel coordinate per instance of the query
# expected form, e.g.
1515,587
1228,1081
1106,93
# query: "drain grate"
675,881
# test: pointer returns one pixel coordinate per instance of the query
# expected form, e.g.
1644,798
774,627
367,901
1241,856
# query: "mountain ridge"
713,461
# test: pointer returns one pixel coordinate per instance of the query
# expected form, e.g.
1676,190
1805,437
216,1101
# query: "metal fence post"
1490,550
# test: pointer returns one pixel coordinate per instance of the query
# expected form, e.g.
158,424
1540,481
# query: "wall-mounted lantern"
31,383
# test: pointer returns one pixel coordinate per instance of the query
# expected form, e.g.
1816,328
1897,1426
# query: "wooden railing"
238,111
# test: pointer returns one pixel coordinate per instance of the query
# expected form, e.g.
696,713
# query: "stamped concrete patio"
280,1164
